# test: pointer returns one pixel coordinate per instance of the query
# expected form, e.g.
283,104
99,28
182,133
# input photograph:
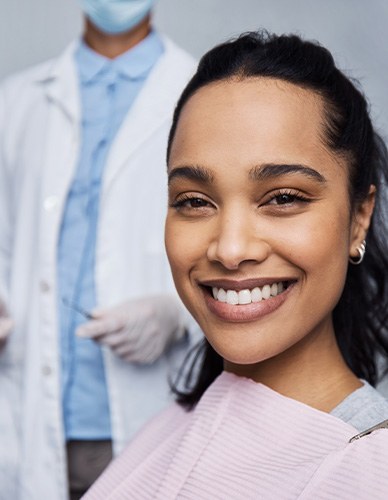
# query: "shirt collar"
132,64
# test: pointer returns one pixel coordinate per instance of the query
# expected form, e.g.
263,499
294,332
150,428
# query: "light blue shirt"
107,90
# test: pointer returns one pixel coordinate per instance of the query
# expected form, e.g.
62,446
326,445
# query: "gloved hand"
5,323
137,330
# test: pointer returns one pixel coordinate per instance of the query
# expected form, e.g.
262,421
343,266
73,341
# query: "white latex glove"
137,330
5,323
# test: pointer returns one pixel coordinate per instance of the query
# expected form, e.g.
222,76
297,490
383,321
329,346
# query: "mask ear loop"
361,253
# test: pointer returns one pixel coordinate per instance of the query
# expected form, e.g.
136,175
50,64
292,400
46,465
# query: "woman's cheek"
180,247
314,238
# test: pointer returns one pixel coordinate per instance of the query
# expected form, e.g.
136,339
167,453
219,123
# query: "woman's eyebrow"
270,170
192,172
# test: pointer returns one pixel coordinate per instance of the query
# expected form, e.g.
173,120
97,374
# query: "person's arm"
5,323
5,227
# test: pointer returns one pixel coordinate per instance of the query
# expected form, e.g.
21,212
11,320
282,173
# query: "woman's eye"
287,199
190,204
283,199
195,203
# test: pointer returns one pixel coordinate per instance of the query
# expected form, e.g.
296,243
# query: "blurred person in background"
82,194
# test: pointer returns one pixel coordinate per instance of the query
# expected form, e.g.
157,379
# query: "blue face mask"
116,16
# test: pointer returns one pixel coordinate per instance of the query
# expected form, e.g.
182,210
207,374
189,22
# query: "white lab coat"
40,135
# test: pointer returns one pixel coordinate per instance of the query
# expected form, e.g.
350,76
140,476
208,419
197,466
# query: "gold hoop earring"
361,253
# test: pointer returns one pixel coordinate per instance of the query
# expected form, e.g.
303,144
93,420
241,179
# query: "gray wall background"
354,30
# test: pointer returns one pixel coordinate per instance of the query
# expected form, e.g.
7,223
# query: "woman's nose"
237,240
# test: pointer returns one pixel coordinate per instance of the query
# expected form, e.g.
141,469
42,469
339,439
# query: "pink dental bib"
245,441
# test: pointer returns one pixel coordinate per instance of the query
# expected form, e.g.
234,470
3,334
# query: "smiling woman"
276,181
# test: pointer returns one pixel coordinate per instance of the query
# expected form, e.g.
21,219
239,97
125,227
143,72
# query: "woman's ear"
361,221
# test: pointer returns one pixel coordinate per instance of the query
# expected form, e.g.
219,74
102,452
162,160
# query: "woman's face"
259,228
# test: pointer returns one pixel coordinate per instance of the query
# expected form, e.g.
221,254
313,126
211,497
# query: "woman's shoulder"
157,430
150,437
363,408
357,470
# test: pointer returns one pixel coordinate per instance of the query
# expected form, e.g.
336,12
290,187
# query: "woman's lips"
244,312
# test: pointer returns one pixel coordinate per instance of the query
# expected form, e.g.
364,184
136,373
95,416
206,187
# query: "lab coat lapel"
63,121
151,109
61,84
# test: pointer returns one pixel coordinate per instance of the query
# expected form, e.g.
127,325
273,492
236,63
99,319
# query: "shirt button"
50,203
44,286
46,370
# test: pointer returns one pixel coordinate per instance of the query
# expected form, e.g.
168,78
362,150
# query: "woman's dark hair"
360,315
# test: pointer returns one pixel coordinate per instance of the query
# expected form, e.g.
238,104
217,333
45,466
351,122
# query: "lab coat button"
46,370
50,203
44,286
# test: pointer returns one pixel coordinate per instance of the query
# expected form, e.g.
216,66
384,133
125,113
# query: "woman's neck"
312,372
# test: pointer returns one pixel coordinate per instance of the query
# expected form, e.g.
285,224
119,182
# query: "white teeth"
231,297
221,296
256,295
247,296
244,297
266,292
